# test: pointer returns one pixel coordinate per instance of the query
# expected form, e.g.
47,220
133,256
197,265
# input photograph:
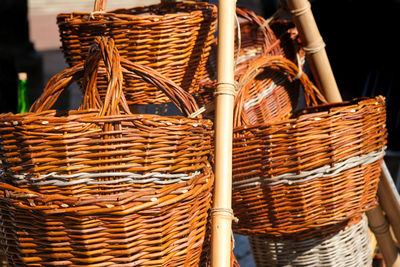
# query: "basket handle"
251,16
312,95
104,49
99,5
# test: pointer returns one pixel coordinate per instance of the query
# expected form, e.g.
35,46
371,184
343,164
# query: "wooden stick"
389,199
225,92
314,46
380,228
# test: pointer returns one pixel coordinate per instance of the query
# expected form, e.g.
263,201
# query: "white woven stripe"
266,92
250,53
304,176
92,178
348,247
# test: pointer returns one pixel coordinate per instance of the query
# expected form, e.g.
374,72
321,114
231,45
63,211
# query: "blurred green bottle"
23,103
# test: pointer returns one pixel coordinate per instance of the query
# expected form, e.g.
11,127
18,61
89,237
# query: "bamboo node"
380,229
224,212
301,11
314,47
226,88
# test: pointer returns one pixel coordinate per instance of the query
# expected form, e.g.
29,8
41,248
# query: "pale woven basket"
349,247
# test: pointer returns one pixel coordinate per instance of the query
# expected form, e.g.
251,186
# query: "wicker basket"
319,167
279,37
172,38
101,186
348,247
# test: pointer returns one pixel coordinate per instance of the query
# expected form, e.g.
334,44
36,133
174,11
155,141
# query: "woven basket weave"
256,37
348,247
101,186
318,167
172,38
278,37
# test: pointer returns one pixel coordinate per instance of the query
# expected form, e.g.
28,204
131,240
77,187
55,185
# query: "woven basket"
101,186
172,38
256,37
319,167
278,37
348,247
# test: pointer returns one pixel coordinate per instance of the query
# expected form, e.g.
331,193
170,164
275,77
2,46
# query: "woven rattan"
321,166
172,38
154,225
348,247
101,186
257,38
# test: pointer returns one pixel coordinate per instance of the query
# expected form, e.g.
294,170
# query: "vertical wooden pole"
389,200
379,226
314,47
225,92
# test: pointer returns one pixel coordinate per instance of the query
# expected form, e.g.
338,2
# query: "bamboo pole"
389,199
379,226
221,213
314,47
322,72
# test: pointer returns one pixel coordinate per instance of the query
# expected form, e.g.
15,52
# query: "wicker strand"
91,178
265,93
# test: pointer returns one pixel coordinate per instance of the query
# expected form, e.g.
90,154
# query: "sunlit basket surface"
101,186
318,167
173,38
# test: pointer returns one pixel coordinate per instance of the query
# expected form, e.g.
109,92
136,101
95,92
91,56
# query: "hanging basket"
101,186
348,247
173,38
318,167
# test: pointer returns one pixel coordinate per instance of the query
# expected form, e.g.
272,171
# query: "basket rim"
297,116
89,116
118,13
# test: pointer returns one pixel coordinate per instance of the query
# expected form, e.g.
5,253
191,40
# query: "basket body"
320,167
172,38
152,225
52,154
348,247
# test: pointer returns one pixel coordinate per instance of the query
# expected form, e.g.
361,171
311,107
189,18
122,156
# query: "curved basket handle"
251,16
104,49
311,94
99,5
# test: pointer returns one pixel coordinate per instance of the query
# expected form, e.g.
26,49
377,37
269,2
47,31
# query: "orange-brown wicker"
256,37
173,38
319,167
101,186
347,247
278,37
